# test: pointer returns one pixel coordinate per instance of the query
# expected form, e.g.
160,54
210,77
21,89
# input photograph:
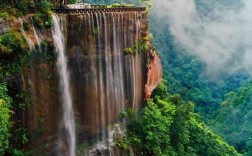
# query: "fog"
219,33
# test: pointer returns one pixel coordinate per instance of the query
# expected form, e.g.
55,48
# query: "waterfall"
36,36
100,77
110,83
68,114
84,102
30,43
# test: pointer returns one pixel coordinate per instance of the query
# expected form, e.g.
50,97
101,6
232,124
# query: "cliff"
103,79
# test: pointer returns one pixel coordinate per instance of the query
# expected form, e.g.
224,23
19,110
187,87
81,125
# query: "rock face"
3,26
154,74
104,80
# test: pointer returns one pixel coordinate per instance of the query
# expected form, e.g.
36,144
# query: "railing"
113,6
98,9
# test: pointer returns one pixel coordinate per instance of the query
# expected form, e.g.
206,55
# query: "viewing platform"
96,8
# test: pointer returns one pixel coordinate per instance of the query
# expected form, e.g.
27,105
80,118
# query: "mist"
219,33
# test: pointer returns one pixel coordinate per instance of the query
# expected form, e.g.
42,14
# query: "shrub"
139,47
11,42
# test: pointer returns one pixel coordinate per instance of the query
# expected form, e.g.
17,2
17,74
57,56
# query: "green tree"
167,126
148,134
232,120
5,102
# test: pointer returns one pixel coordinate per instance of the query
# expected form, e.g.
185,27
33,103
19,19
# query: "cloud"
220,33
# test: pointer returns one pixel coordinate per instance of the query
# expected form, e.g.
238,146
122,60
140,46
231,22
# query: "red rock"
154,75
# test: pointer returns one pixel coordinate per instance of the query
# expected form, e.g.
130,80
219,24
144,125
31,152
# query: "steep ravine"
103,79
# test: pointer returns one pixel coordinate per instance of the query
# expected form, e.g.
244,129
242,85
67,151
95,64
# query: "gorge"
85,80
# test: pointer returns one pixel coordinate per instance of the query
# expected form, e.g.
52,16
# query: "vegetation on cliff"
5,113
167,125
13,53
23,7
139,47
41,11
14,57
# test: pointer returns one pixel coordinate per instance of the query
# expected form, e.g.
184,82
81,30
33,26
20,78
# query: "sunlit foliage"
168,126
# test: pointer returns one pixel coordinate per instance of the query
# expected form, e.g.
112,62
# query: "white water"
100,77
30,43
38,40
68,114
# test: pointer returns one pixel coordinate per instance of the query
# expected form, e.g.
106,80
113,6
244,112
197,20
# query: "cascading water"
30,43
68,114
38,40
106,77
